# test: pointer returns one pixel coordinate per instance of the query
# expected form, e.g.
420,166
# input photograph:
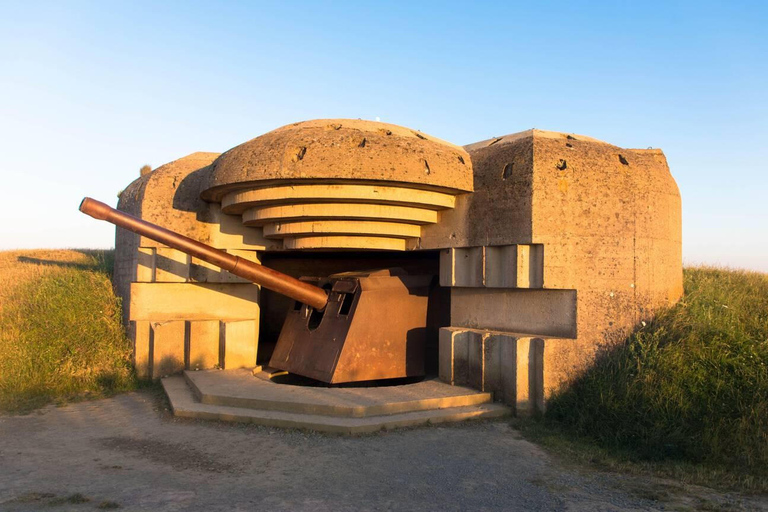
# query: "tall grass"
690,386
61,336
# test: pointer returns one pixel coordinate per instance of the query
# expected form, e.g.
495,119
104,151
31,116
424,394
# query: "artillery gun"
350,327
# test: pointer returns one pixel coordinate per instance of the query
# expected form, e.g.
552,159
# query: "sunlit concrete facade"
549,247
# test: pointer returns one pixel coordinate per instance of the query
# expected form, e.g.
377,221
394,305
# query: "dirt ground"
128,453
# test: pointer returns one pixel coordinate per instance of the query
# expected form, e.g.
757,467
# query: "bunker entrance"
275,307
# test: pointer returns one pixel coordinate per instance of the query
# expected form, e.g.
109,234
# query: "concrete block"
186,301
145,265
604,219
240,343
445,355
141,349
171,266
529,376
461,358
530,266
476,360
508,365
500,366
525,367
536,374
204,336
462,267
536,312
167,342
514,266
501,266
515,371
446,267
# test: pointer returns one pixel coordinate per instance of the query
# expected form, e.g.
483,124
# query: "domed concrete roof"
342,150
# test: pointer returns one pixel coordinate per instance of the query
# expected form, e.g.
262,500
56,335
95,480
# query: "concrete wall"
602,228
182,312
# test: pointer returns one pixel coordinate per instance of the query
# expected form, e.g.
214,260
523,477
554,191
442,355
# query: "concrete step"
184,404
239,388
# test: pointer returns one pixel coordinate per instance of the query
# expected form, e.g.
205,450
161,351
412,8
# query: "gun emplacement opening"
345,328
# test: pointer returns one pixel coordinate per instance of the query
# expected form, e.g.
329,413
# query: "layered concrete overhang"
340,184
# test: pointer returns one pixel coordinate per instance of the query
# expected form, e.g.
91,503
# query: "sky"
91,91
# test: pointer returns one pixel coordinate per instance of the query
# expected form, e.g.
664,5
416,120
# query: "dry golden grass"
19,267
61,337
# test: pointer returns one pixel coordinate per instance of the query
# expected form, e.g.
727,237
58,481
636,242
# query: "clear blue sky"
90,91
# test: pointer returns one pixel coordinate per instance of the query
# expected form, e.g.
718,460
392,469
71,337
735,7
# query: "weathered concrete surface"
346,149
537,312
240,200
344,171
170,289
505,364
564,235
273,414
240,388
123,451
170,196
608,221
200,301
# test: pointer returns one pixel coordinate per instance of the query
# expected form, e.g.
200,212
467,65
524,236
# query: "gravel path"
128,453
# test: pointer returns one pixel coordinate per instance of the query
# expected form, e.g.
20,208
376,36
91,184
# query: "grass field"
61,337
686,394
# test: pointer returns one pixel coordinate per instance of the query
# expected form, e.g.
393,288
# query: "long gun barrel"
259,274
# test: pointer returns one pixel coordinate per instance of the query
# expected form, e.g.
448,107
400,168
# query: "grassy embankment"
685,395
61,337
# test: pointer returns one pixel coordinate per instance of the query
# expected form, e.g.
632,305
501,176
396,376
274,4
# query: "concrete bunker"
538,263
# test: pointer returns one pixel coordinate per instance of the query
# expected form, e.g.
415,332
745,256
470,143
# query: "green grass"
61,336
688,392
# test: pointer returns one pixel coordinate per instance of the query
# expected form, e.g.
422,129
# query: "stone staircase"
248,397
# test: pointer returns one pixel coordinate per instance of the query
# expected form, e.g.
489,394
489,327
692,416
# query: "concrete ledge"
184,405
161,302
549,313
239,388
